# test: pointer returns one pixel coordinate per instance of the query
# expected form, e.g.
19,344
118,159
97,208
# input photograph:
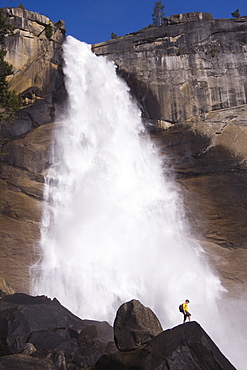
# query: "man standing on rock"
186,310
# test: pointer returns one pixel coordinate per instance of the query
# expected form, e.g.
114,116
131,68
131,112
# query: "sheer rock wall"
190,66
36,56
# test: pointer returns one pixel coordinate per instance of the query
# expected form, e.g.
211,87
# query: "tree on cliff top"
236,14
158,14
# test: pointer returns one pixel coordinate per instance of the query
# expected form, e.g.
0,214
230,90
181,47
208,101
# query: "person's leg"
185,317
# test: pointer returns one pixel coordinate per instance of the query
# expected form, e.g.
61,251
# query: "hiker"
186,310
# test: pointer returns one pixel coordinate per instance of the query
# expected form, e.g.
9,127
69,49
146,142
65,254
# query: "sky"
93,21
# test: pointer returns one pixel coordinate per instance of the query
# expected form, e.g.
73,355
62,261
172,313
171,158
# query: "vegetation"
113,36
48,31
21,6
9,100
236,14
158,14
4,28
212,50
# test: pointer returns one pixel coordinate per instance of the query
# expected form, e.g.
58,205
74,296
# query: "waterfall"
113,226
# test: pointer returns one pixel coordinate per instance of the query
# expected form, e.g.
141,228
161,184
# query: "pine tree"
236,14
158,14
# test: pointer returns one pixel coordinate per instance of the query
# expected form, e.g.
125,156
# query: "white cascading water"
112,227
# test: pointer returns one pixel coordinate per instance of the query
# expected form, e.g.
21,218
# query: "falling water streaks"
113,228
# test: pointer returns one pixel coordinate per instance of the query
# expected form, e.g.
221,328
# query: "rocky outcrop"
135,325
186,346
34,51
40,333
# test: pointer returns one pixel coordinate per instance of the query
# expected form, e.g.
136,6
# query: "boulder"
41,327
135,325
186,347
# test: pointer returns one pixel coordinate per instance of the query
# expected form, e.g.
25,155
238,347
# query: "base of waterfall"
37,332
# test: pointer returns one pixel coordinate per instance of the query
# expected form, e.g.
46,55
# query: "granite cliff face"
189,77
36,56
190,66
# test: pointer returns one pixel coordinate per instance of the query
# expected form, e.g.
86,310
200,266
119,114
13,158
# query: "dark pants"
186,314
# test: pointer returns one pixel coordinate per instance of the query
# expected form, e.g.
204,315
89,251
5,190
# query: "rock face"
135,325
36,56
189,78
21,186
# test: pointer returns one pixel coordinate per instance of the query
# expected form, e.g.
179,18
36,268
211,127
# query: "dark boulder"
41,327
186,347
135,325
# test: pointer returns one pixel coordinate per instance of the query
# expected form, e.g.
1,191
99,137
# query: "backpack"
181,308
